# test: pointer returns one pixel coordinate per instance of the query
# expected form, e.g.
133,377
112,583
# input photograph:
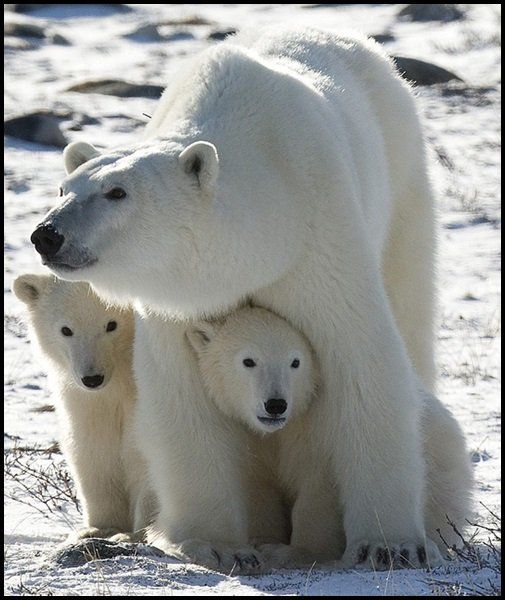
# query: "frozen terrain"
51,48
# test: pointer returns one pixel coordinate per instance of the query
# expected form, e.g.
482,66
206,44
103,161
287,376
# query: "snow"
463,129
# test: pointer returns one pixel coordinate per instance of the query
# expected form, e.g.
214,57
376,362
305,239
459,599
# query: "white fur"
242,393
279,464
321,212
96,424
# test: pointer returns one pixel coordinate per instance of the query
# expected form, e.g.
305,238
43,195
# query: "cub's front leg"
196,456
94,460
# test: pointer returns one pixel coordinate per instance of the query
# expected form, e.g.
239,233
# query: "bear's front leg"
195,455
379,459
367,413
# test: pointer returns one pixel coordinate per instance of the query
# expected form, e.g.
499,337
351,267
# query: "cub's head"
256,367
83,337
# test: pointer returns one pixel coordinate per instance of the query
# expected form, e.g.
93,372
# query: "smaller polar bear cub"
88,346
256,367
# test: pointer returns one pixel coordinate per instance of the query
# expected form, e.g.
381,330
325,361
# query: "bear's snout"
276,406
47,240
92,381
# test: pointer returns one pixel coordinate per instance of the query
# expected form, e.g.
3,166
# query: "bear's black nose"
47,240
276,406
92,381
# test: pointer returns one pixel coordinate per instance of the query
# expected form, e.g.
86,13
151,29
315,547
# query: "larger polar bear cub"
88,348
286,167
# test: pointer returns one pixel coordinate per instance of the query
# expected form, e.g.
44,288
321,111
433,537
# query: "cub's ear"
76,154
201,160
200,335
28,288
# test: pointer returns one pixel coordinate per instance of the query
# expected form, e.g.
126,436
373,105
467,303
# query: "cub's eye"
116,193
67,331
111,325
60,191
295,364
248,362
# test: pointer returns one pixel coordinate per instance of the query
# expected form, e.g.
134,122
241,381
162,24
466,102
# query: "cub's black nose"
47,240
276,406
92,381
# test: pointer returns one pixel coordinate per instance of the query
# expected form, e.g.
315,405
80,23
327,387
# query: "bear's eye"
295,364
248,362
111,325
60,191
116,193
67,331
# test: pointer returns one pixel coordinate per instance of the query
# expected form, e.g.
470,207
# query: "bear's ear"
28,288
200,335
201,160
76,154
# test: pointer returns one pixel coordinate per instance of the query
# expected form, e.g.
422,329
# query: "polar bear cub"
88,347
262,373
256,367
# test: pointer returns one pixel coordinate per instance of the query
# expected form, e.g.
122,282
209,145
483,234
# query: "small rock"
42,409
423,73
90,549
431,12
145,33
221,34
186,21
383,38
117,87
20,29
39,127
60,40
31,386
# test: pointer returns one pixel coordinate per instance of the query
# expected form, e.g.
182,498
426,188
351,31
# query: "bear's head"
256,367
159,222
84,338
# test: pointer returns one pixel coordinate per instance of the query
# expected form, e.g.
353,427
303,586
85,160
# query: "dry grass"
476,555
39,481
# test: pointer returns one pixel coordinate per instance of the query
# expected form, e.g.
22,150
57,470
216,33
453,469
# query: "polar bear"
285,167
88,347
261,371
256,367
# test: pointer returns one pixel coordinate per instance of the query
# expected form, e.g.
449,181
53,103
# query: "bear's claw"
380,556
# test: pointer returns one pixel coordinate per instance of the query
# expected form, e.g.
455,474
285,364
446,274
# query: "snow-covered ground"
463,127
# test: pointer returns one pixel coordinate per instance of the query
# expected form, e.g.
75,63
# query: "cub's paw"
284,556
130,536
219,557
91,532
379,556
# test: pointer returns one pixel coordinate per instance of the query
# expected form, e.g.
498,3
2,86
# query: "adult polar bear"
286,167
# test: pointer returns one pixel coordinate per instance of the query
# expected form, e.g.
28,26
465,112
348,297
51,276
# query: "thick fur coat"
88,349
286,167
